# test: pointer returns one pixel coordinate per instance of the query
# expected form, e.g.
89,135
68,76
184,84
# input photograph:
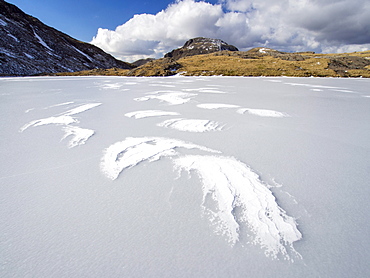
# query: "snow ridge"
191,125
263,112
242,198
150,113
79,135
172,98
132,151
216,106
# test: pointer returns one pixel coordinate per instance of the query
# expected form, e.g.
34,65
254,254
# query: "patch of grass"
95,72
251,63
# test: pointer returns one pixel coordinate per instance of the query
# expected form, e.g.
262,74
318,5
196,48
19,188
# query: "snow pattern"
216,106
150,113
235,187
191,125
262,112
242,199
172,98
79,135
132,151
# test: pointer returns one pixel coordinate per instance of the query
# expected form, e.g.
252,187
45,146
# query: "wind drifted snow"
81,109
150,113
172,98
59,120
216,106
205,90
132,151
191,125
115,199
263,112
242,199
79,135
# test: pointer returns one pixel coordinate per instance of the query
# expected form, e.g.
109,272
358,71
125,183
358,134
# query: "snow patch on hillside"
13,37
82,53
41,41
28,55
3,23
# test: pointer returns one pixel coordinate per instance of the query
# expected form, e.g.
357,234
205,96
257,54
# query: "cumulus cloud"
286,25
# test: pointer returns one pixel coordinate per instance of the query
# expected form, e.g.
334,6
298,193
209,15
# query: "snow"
94,183
132,151
13,37
8,53
59,120
79,135
81,109
84,54
263,112
3,23
171,97
232,185
191,125
42,42
150,113
28,55
216,106
205,90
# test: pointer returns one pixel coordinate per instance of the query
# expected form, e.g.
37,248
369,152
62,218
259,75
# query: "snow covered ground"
184,177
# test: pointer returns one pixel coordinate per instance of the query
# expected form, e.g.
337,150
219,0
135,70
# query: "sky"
132,30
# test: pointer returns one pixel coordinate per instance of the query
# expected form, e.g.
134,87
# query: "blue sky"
132,30
82,18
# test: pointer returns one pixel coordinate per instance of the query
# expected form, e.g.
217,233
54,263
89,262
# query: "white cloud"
287,25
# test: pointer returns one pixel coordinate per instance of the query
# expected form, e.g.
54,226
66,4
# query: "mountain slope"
27,47
198,46
261,62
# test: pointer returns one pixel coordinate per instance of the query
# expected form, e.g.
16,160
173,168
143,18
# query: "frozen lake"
184,177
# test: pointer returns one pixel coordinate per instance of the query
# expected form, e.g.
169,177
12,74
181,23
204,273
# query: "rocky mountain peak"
199,46
28,47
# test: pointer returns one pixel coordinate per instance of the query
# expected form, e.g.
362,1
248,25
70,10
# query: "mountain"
259,61
29,47
199,46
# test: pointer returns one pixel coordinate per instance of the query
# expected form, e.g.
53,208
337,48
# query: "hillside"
198,46
29,47
255,62
261,62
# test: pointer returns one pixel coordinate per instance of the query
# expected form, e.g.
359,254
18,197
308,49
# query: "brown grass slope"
256,62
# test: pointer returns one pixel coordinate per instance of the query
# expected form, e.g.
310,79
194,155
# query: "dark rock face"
141,62
29,47
199,46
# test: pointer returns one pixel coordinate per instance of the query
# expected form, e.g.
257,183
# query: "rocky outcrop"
141,62
160,67
29,47
199,46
